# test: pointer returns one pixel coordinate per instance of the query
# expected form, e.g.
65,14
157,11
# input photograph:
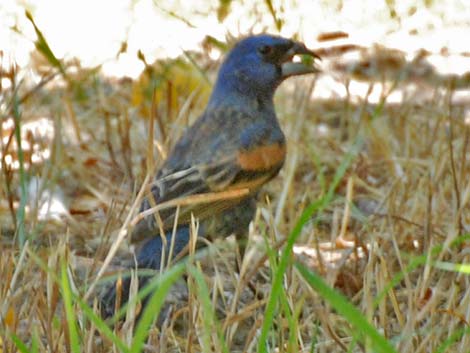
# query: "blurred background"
111,32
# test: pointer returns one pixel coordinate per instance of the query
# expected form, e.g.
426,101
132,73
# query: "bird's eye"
265,49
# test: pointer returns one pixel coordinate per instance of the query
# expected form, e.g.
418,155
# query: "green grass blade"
19,344
210,320
20,217
99,323
143,292
453,338
417,261
285,256
35,342
67,296
160,286
449,266
378,343
101,326
43,47
284,303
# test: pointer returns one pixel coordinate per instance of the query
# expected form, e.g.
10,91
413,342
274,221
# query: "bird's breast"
262,158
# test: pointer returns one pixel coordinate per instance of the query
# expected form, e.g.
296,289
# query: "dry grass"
387,239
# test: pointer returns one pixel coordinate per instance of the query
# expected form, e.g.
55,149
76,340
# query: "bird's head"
257,65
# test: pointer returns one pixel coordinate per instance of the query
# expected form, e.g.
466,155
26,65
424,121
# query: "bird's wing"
213,167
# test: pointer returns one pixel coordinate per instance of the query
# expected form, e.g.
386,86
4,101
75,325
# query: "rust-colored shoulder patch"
262,157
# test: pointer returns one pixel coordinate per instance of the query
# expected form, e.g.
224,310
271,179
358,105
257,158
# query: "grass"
359,245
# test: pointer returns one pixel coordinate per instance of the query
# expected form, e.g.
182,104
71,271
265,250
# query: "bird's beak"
305,66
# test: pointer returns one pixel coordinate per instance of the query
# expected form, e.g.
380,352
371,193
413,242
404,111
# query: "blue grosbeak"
236,146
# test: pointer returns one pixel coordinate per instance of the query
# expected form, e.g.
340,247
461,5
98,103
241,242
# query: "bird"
221,161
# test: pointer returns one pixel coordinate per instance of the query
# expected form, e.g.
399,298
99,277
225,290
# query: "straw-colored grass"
355,246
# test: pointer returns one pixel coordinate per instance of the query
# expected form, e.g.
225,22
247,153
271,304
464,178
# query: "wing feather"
206,160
